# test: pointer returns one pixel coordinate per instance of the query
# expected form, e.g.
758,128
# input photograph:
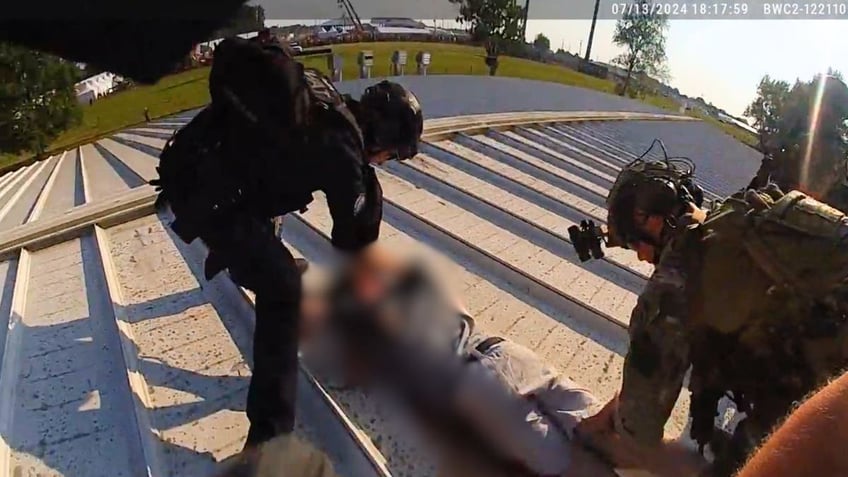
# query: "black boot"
302,265
215,263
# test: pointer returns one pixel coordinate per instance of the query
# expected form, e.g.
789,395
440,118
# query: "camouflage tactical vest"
770,301
767,241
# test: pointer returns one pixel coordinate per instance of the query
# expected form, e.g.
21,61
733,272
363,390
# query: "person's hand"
669,459
598,434
676,459
620,451
600,423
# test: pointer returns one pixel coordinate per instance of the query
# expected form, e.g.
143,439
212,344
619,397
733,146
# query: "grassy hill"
189,90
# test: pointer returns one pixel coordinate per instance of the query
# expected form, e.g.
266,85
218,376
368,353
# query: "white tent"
96,86
85,94
213,43
392,30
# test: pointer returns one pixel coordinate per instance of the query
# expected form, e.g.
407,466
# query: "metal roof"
120,359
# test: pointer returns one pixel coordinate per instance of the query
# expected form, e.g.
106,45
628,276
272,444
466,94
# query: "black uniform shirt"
354,195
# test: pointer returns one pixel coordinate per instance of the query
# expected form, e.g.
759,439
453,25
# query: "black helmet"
655,186
394,119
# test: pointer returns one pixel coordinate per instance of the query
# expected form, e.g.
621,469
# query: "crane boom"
343,5
354,17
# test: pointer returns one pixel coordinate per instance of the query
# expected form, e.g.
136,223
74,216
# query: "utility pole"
592,30
524,23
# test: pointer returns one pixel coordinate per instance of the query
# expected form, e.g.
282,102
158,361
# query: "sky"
721,60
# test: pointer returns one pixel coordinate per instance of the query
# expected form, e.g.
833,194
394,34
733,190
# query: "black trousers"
258,261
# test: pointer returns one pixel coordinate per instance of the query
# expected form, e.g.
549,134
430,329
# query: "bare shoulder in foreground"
812,440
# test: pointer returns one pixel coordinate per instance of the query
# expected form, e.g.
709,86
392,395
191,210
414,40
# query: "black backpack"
261,88
274,95
266,110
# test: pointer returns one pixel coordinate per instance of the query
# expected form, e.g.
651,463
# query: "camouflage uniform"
713,304
659,350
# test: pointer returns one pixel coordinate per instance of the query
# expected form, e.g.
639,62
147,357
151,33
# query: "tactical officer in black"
274,134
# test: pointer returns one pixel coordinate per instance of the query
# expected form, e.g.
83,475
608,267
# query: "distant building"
736,122
96,86
400,26
569,60
213,43
393,30
292,32
397,22
334,28
452,33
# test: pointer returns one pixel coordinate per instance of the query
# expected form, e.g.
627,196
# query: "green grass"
458,59
743,136
170,95
189,90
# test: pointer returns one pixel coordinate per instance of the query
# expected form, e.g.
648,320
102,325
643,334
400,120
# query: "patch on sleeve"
359,205
645,355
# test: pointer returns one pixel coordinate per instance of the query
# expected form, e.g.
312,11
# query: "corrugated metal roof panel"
121,358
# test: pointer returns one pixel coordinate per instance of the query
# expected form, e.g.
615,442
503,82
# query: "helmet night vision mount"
587,238
675,172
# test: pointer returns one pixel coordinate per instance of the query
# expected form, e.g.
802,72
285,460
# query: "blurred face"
373,273
651,226
644,251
